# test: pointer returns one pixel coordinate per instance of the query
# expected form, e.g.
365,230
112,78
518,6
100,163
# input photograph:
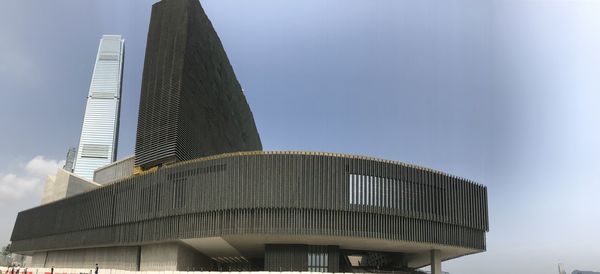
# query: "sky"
503,92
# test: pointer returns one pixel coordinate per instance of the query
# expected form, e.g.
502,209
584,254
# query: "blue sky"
506,93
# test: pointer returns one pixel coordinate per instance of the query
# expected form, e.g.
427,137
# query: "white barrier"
5,270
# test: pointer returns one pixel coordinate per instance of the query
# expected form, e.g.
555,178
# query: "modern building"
99,134
204,196
291,211
70,161
191,103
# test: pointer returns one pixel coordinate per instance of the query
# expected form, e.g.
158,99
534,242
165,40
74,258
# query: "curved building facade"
271,210
239,208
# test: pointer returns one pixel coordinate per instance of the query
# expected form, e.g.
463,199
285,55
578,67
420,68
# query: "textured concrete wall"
65,184
116,171
125,258
189,259
38,259
159,257
77,185
173,256
191,104
50,194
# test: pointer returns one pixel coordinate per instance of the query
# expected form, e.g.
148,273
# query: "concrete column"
436,262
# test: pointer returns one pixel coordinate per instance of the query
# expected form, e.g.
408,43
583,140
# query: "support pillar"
436,262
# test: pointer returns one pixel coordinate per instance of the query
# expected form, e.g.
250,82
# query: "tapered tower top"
191,102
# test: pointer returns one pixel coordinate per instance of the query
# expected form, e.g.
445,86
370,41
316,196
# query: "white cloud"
13,187
30,181
39,166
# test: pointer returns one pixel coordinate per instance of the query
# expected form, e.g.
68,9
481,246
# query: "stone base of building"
179,256
155,257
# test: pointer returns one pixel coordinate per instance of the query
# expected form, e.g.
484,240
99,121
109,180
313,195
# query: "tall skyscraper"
191,103
99,134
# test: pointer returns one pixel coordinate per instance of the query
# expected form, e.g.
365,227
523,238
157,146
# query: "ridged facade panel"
161,86
264,193
191,103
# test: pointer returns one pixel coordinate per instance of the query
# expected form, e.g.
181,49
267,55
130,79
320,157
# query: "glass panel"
360,190
319,263
351,189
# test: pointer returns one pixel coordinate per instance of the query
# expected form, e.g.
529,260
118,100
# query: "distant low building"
70,163
584,272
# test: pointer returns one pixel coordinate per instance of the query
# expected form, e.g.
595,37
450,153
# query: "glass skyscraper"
99,134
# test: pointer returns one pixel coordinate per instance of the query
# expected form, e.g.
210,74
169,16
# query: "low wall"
126,258
116,271
172,256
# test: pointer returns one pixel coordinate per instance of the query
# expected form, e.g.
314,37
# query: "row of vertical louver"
191,104
161,86
261,193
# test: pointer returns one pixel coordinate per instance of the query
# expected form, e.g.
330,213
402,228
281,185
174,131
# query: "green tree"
5,254
6,250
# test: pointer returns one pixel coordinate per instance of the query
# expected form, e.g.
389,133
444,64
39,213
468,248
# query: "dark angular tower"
191,103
